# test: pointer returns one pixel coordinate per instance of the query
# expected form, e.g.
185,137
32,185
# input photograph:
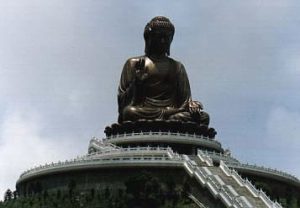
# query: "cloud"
281,142
293,64
21,147
283,127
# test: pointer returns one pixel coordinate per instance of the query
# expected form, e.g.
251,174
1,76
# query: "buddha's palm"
195,107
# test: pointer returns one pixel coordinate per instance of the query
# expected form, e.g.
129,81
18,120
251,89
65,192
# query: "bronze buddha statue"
155,86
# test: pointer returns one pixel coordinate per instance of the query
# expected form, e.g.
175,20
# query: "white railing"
220,156
233,163
214,184
246,183
204,158
161,134
136,154
263,169
156,154
99,146
196,201
87,162
219,189
131,149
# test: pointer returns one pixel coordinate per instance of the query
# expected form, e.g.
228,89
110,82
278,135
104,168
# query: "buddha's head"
158,35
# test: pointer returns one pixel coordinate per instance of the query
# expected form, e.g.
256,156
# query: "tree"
71,186
143,190
92,193
106,193
58,194
8,195
45,195
15,194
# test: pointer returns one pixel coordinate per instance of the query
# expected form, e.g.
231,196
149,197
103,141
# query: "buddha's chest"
160,71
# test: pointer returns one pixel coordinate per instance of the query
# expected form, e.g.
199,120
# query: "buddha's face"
160,42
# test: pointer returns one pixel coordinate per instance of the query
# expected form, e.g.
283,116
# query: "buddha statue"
155,86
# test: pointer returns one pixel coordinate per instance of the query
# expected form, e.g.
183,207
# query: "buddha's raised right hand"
140,72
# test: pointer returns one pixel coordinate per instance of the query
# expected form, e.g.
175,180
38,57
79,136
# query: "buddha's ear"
147,46
168,50
169,46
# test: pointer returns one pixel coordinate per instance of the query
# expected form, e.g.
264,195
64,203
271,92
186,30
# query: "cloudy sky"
60,63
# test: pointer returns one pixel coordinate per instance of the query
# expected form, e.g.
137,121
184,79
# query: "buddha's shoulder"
178,64
133,60
175,61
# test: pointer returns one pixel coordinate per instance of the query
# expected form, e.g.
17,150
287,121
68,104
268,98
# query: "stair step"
228,180
241,190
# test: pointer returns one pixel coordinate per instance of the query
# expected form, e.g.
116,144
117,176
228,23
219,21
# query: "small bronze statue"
155,86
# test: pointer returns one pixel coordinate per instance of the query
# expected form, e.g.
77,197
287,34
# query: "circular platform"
183,143
158,125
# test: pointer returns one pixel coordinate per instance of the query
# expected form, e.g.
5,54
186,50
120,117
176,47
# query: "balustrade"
238,165
133,134
218,188
167,152
245,182
264,169
215,184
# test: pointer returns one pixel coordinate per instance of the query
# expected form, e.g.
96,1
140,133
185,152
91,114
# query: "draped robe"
163,93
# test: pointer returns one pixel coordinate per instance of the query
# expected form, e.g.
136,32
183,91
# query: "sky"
61,60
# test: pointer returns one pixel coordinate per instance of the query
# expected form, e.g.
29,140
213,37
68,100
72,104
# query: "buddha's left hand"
195,107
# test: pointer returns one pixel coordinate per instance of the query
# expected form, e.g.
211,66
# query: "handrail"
196,201
263,169
148,148
221,190
216,186
103,160
245,182
160,133
146,154
167,151
237,164
233,173
220,156
204,158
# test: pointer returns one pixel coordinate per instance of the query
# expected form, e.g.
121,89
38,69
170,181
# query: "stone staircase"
225,183
241,190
